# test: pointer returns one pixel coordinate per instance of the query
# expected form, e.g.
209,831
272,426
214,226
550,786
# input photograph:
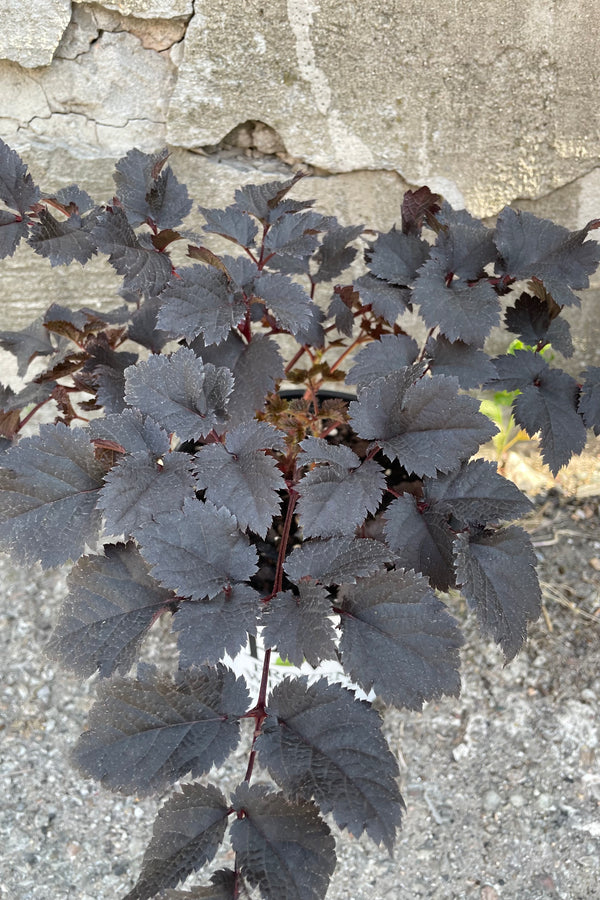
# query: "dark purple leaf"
12,229
144,330
34,340
240,476
183,394
289,303
132,431
63,241
421,540
538,248
396,257
112,602
462,311
223,887
427,425
342,314
495,570
336,497
477,494
73,196
197,552
589,401
295,235
386,300
319,742
530,318
298,626
464,246
232,223
142,266
399,639
284,848
418,207
334,255
48,493
336,561
139,488
263,200
148,732
17,189
470,365
149,191
187,833
207,629
391,353
203,301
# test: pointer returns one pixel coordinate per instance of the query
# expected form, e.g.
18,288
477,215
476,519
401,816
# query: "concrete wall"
488,103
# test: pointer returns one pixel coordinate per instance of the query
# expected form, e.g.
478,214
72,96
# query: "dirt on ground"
502,785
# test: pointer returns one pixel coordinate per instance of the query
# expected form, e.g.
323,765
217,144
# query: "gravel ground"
502,786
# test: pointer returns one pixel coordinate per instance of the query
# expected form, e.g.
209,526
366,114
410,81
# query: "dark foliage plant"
182,480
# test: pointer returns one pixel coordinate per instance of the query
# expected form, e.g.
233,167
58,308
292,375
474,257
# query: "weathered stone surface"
106,100
29,32
149,9
22,99
484,104
87,22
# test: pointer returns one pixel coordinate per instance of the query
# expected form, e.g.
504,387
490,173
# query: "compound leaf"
476,493
396,257
282,847
298,626
242,477
146,733
231,223
399,639
391,353
63,241
464,246
207,629
496,572
386,300
131,431
201,300
421,540
538,248
264,200
143,267
531,319
338,560
149,191
112,602
48,493
334,255
589,401
425,424
197,552
470,365
182,393
289,303
17,189
295,235
138,488
187,833
319,742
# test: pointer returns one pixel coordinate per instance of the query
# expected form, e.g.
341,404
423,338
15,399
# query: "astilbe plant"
327,526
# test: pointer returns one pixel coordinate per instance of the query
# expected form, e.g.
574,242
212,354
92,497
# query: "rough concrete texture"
149,9
29,32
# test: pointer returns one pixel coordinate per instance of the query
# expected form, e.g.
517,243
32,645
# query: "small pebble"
491,801
517,800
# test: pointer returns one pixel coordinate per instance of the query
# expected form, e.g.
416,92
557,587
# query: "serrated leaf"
146,733
295,235
391,353
427,425
464,246
223,887
289,303
197,552
17,189
12,230
336,497
48,493
538,248
399,639
200,301
261,200
336,561
207,629
240,476
180,392
134,432
471,366
149,191
418,207
342,314
396,257
34,340
74,197
187,833
283,848
63,241
496,572
143,328
334,255
421,540
319,742
143,267
138,488
256,367
530,318
476,493
386,300
461,310
298,626
589,400
232,223
111,604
